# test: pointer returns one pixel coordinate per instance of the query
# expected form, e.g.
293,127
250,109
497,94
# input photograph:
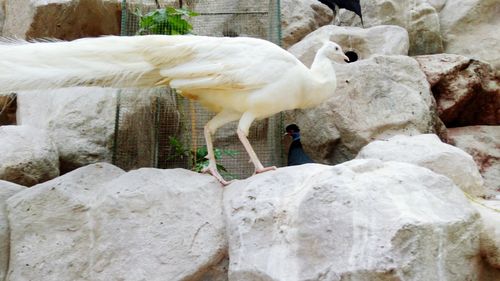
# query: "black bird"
296,155
351,5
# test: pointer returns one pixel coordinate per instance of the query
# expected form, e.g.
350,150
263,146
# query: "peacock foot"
213,171
264,169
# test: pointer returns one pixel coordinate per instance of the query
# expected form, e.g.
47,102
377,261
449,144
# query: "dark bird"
351,5
296,154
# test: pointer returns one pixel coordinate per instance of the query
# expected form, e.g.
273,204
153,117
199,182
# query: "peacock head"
333,51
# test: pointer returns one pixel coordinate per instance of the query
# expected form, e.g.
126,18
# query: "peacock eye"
336,48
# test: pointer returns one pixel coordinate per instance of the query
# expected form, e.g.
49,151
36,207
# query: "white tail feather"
105,61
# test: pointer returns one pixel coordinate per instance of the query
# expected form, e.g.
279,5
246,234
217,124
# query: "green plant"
168,21
198,158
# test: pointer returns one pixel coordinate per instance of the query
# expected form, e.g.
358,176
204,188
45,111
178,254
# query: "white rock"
483,143
437,4
490,236
419,17
52,233
80,121
428,151
7,189
379,40
301,17
158,225
97,223
27,155
470,28
375,98
361,220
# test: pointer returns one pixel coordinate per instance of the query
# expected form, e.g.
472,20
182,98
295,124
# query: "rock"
379,40
217,272
301,17
437,4
361,220
52,232
375,98
27,155
483,143
147,224
160,225
2,15
7,189
80,121
467,91
428,151
62,19
470,28
419,17
490,235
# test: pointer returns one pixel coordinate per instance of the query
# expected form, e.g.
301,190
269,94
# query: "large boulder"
361,220
159,225
62,19
52,232
482,142
376,98
470,28
97,223
467,91
428,151
7,189
27,155
301,17
80,121
419,17
365,43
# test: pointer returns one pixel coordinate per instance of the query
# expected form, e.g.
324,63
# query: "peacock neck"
322,66
323,81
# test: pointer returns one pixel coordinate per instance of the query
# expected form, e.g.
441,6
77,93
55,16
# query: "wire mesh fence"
157,128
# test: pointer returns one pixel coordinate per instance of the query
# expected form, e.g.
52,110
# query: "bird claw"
264,169
213,171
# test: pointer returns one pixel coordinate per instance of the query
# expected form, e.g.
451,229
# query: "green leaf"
168,21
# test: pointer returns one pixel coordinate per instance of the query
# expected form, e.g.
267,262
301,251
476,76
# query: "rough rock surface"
467,91
375,98
483,143
160,225
52,233
301,17
80,121
27,155
419,17
7,189
102,224
381,221
490,236
470,28
63,19
379,40
428,151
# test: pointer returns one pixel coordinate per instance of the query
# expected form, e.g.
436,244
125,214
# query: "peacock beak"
346,58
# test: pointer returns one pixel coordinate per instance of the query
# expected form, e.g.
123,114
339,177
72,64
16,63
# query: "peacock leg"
243,128
210,128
